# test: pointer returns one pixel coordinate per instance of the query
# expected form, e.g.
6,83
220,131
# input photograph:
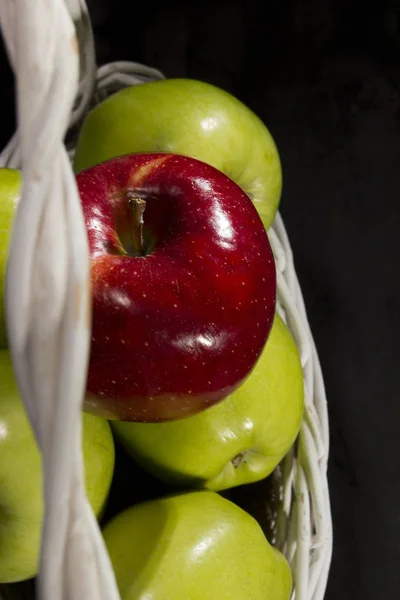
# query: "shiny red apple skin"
177,330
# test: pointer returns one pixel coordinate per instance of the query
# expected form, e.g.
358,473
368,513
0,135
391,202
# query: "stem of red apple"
138,206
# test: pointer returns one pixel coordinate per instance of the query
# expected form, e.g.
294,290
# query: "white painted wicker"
48,310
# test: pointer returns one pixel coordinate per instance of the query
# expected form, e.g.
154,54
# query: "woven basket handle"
48,299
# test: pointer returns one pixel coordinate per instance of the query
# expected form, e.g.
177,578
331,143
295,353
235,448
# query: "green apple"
21,500
185,116
194,546
10,189
238,441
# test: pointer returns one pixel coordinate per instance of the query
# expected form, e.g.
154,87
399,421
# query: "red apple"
184,286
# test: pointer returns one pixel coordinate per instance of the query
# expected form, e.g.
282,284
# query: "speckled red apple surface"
182,306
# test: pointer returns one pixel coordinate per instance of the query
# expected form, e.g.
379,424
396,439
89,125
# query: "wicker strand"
48,294
310,502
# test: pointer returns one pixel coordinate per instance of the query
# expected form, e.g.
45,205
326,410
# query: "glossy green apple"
239,440
185,116
21,502
10,189
194,546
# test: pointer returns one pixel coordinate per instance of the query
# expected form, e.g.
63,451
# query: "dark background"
325,78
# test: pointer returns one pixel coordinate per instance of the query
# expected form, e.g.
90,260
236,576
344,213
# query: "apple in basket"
183,286
185,116
194,545
239,440
10,189
21,500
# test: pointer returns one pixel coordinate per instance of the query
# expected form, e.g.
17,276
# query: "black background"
325,78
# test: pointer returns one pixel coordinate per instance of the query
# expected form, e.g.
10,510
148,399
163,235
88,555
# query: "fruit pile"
194,380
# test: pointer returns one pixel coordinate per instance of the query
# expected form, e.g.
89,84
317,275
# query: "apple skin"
10,193
195,545
238,441
194,118
179,329
21,500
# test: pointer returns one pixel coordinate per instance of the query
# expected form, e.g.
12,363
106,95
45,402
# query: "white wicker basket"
48,296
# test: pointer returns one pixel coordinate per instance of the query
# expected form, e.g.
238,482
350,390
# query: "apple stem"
138,206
